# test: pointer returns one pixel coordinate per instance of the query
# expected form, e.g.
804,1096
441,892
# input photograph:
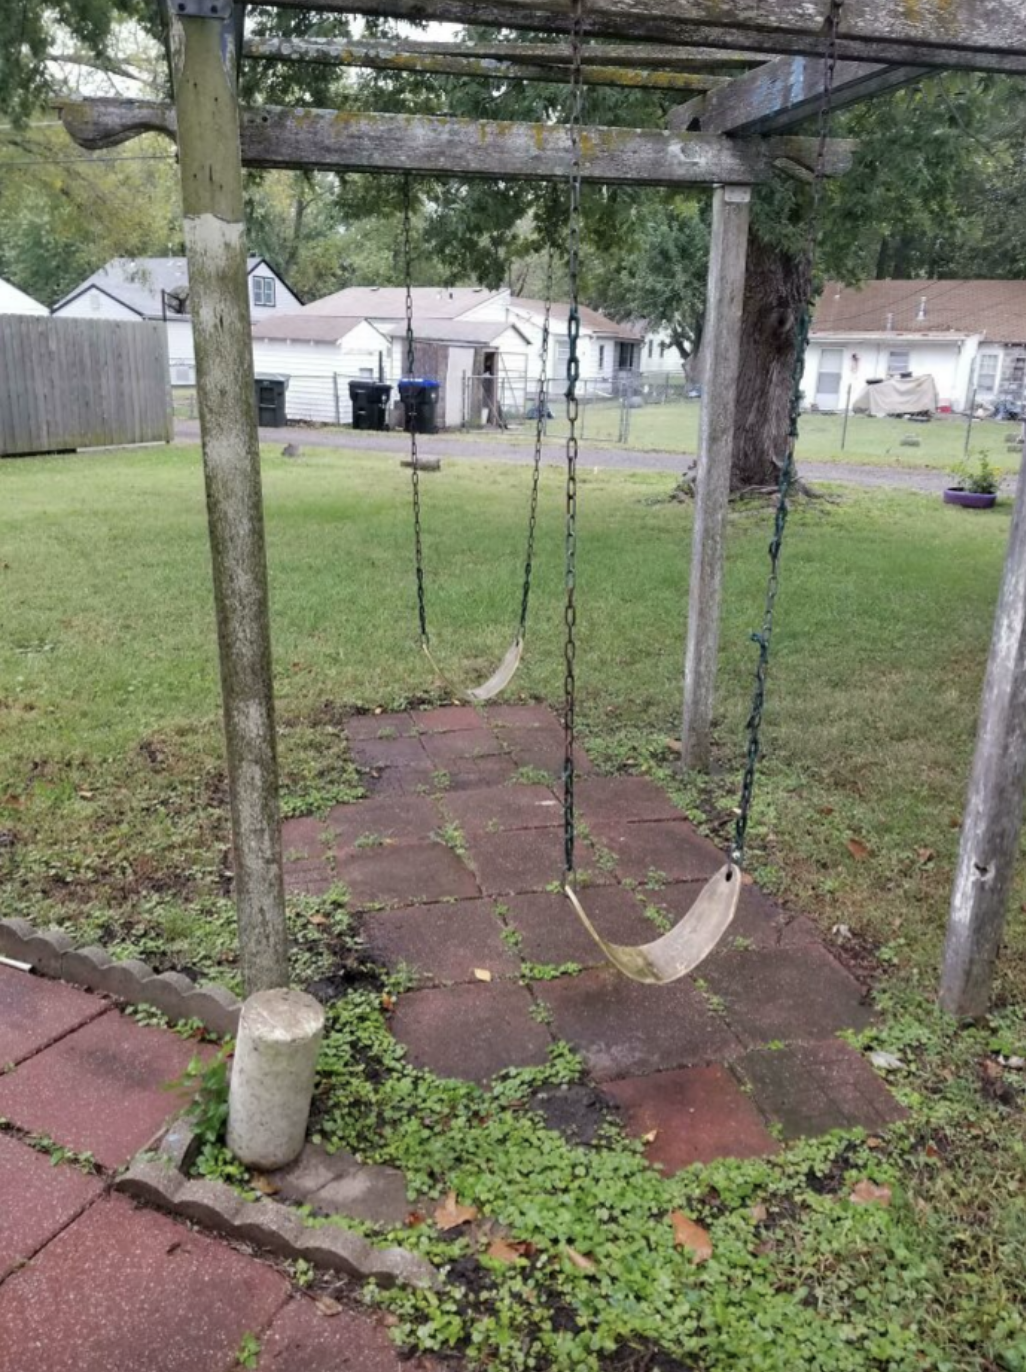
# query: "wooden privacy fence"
82,383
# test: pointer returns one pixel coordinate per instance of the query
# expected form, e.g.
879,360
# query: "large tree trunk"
776,289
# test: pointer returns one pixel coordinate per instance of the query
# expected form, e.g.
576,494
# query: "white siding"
319,373
95,304
13,301
949,361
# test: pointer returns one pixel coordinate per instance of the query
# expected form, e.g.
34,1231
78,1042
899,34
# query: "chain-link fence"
613,409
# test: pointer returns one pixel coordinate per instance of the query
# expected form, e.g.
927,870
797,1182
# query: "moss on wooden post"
203,62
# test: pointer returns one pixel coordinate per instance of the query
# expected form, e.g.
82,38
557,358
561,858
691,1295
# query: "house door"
828,383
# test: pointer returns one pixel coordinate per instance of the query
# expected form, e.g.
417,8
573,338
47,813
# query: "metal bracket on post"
201,9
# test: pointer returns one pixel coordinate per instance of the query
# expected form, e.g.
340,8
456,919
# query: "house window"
651,346
625,357
986,380
562,356
602,356
263,290
1018,372
898,360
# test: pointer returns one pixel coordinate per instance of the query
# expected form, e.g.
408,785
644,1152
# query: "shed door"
828,385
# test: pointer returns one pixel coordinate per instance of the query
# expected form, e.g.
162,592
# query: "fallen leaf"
482,974
858,849
264,1185
673,744
650,1137
86,795
318,919
15,802
747,879
687,1234
991,1069
582,1263
931,1150
413,1219
955,822
387,1002
925,855
873,1142
886,1062
390,1320
868,1193
826,810
450,1214
502,1251
759,1213
327,1307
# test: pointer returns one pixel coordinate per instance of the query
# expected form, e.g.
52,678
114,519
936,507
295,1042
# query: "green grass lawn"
112,811
875,442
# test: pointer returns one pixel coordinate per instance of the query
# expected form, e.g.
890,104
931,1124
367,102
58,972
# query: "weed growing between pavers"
802,1278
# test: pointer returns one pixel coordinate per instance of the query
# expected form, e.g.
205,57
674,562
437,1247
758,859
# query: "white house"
158,288
482,346
969,336
13,301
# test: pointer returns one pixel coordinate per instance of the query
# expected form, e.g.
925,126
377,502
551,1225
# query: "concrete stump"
272,1082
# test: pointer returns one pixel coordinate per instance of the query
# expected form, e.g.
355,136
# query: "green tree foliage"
33,31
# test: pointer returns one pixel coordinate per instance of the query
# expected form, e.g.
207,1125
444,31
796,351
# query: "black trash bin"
419,395
370,404
270,401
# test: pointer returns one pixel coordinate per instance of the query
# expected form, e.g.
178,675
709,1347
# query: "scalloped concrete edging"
52,953
158,1179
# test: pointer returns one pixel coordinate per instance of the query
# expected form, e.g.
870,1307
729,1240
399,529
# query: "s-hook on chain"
411,416
787,470
573,373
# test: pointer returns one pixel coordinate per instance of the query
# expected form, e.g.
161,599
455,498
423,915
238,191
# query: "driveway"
461,448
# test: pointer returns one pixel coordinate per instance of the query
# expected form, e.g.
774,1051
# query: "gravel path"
591,454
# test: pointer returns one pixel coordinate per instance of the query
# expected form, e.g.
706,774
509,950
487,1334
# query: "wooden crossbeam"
404,58
982,35
783,94
329,140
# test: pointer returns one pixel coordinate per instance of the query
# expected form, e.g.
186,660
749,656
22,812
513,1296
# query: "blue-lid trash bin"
419,395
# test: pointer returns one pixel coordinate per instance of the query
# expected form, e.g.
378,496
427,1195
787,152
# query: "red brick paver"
126,1290
404,873
695,1115
101,1090
303,1340
817,1087
550,932
442,943
471,1031
624,1029
35,1013
796,993
37,1200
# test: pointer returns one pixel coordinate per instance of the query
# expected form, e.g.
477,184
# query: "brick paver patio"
452,861
89,1282
457,857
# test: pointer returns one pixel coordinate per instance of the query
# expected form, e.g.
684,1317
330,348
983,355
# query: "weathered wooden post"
721,348
203,64
993,812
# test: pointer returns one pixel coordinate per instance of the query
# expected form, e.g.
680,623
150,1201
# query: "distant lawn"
876,442
113,824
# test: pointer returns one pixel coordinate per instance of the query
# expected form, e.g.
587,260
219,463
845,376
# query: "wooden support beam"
329,140
721,348
783,94
399,58
993,814
643,56
203,56
982,35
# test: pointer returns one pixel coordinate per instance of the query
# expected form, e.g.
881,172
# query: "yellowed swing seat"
685,946
496,683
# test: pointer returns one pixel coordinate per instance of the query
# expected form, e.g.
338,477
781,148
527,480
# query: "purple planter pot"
954,495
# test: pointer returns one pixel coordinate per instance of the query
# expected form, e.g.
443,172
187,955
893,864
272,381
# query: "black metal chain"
541,413
573,374
787,469
410,409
